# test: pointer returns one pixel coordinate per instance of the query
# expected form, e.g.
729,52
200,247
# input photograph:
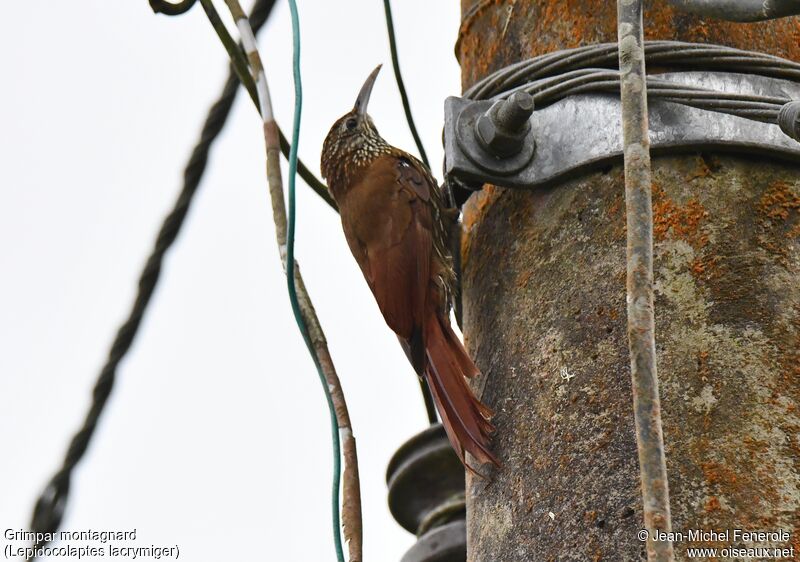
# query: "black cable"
170,9
430,409
400,86
49,509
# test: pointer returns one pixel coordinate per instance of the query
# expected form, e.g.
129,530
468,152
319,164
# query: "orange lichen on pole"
495,33
683,222
473,210
778,202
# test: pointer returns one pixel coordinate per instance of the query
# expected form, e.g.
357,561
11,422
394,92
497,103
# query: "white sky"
216,437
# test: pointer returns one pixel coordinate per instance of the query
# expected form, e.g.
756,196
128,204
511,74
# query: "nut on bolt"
502,130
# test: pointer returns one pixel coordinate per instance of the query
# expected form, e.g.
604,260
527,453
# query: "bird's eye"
350,124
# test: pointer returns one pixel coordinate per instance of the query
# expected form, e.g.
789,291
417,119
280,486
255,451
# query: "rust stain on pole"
641,319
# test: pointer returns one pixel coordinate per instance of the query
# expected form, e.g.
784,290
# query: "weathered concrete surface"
544,316
498,32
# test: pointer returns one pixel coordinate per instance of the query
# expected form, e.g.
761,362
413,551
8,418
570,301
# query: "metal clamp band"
583,132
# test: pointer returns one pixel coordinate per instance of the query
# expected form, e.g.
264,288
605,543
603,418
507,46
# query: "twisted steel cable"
49,509
670,54
594,69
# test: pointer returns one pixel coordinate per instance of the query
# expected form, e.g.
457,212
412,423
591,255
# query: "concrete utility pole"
543,275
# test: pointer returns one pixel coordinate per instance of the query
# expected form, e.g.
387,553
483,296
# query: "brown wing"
388,224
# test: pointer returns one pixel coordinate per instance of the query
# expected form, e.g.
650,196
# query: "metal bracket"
584,132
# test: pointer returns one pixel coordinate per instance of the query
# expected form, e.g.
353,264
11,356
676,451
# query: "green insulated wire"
400,86
298,106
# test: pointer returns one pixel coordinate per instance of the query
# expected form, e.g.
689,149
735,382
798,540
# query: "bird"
395,222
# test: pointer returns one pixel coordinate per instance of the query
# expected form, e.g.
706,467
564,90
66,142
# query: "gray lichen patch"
673,280
705,401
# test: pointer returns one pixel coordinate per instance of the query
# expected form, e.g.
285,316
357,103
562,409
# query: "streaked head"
353,137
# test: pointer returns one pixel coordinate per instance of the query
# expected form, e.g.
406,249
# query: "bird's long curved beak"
366,90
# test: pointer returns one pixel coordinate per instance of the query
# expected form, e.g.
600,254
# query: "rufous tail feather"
465,418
